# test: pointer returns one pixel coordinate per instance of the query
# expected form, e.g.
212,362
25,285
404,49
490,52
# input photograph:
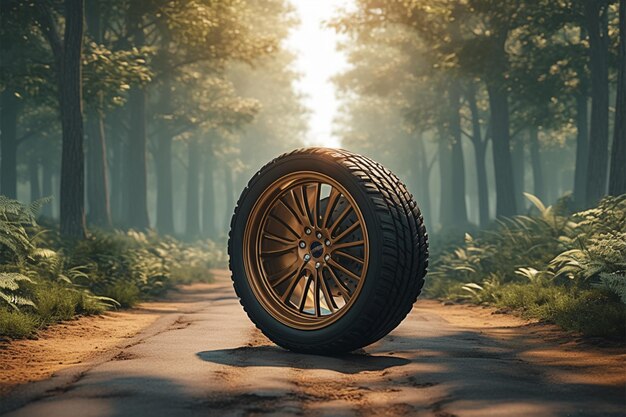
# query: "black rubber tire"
398,251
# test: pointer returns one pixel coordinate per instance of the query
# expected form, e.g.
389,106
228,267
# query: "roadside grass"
567,269
45,279
184,275
17,325
56,302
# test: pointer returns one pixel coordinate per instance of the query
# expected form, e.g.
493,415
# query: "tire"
348,282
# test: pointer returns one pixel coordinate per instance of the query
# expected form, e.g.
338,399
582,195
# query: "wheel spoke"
348,244
317,188
292,211
316,294
305,293
345,291
285,276
344,270
281,221
333,197
340,219
292,285
299,203
346,232
351,257
276,238
307,205
276,252
330,301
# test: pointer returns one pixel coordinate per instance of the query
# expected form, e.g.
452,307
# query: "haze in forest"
471,103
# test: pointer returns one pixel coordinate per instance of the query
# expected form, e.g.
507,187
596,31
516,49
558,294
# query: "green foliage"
55,303
44,279
551,265
125,293
16,324
589,311
9,287
15,220
108,74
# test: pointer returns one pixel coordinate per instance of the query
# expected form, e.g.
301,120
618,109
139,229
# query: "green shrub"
592,312
125,293
53,279
191,274
16,324
55,302
569,269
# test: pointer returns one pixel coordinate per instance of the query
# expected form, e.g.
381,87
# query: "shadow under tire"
327,250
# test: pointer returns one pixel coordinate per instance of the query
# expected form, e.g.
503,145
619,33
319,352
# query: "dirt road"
204,358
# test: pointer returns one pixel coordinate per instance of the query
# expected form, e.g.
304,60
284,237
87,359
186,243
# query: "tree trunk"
422,185
617,180
582,150
99,213
72,216
192,219
163,159
46,185
230,195
117,166
165,199
535,160
136,169
8,143
517,157
597,29
480,148
33,179
445,167
208,199
459,206
505,186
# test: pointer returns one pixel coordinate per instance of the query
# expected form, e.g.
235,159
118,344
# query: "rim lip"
255,274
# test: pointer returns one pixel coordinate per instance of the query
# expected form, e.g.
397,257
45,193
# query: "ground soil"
197,354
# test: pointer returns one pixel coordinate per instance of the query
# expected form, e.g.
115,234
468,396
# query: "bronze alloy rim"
306,250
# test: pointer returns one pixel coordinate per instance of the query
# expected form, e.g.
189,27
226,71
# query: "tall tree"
480,149
582,149
617,181
136,168
8,143
596,19
192,224
99,207
459,207
536,164
208,196
67,52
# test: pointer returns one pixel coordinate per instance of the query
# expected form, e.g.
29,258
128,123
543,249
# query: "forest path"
205,358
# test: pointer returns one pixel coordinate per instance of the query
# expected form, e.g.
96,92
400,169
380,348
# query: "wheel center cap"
317,249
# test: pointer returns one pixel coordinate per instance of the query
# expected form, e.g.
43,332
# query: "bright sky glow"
318,60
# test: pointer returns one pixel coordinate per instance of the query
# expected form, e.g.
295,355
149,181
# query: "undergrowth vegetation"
44,279
569,269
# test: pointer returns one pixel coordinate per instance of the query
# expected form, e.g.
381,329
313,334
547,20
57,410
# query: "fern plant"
587,248
15,221
9,287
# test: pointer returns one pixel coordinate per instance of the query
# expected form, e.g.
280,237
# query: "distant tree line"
482,98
